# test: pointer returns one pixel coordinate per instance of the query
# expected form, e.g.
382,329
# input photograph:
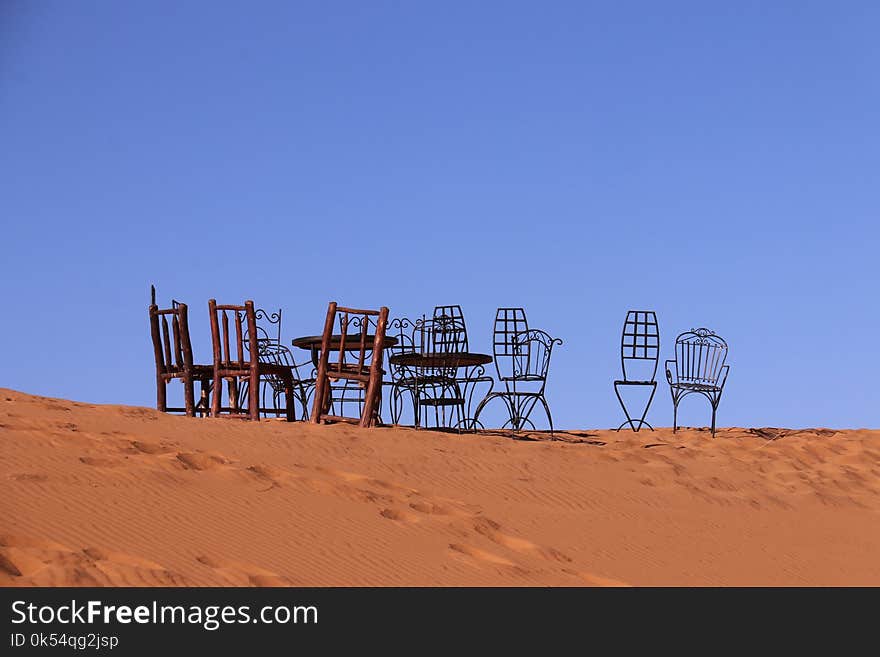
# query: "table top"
352,342
459,359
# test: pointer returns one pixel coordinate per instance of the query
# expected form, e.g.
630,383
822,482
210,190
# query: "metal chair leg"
549,417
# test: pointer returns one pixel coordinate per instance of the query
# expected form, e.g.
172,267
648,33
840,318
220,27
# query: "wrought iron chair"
174,359
439,387
522,360
699,367
509,322
366,369
242,365
639,357
450,335
272,351
401,378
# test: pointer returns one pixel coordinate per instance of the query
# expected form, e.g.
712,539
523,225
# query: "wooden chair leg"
189,395
216,394
318,401
367,419
232,387
254,395
161,394
322,386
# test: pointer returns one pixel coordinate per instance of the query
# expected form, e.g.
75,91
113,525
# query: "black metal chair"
449,331
699,367
401,379
522,361
272,351
639,357
509,322
440,388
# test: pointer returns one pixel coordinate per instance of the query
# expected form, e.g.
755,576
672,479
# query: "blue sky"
715,162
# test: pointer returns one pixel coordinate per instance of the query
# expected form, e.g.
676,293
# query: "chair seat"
276,369
412,381
697,387
239,368
518,393
526,377
624,382
350,371
442,401
198,372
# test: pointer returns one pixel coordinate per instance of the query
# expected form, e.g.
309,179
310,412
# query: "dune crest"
123,496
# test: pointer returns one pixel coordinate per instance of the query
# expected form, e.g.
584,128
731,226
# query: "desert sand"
126,496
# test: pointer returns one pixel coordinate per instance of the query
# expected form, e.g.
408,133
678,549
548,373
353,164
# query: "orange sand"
114,495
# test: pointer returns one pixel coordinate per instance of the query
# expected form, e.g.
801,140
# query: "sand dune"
113,495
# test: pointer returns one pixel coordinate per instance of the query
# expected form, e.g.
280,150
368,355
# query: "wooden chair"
174,359
363,368
242,365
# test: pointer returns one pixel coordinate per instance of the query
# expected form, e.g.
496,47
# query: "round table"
314,343
440,361
464,388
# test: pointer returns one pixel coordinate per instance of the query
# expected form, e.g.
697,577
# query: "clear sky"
718,162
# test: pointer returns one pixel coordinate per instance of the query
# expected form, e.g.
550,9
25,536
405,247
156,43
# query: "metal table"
441,369
313,343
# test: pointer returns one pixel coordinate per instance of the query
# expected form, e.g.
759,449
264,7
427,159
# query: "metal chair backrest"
449,331
171,346
700,356
509,322
531,358
268,326
640,344
402,329
231,328
269,346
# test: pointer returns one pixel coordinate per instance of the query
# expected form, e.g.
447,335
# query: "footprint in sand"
491,530
353,477
100,462
596,580
481,555
268,475
201,461
432,509
31,477
239,573
141,413
36,562
152,448
401,516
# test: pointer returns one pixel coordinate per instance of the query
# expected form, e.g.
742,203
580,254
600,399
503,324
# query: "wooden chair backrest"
366,348
231,326
171,345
